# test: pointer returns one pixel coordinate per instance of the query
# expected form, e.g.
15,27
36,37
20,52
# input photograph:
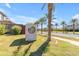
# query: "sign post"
30,32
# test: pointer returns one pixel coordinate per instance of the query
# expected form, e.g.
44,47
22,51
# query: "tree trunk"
56,29
37,27
73,28
41,28
63,28
49,20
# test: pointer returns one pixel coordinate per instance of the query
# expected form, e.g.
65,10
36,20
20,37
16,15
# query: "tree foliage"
3,29
16,29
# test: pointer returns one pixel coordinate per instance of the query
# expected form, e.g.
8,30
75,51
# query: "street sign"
30,32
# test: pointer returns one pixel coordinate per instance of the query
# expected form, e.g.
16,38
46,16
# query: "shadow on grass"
41,49
19,43
25,52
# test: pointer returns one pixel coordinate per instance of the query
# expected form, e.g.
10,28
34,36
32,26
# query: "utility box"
30,32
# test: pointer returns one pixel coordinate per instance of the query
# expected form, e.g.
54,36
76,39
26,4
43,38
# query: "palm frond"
43,6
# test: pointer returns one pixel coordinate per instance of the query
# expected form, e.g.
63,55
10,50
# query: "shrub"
3,29
16,29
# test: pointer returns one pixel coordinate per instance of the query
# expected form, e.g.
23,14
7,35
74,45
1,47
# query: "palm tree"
50,7
73,24
37,23
42,21
63,24
56,24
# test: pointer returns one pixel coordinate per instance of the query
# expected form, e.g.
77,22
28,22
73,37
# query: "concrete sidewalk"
64,35
76,43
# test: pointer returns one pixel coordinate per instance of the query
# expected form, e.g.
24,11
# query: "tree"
42,21
63,25
50,7
56,24
16,29
3,29
37,23
73,24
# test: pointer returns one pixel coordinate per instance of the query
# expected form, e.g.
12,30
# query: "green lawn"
15,45
75,32
61,49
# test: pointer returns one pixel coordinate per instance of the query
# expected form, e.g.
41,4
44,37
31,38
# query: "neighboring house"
3,16
8,24
6,21
70,27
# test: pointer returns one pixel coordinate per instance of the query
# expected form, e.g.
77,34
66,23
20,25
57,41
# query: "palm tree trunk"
63,28
49,20
41,28
37,27
56,29
73,28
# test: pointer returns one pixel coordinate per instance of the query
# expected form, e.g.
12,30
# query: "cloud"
23,19
8,5
20,19
30,19
75,16
4,11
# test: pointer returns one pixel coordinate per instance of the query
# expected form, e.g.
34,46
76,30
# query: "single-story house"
6,21
9,25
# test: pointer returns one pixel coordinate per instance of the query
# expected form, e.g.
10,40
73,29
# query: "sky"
23,13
